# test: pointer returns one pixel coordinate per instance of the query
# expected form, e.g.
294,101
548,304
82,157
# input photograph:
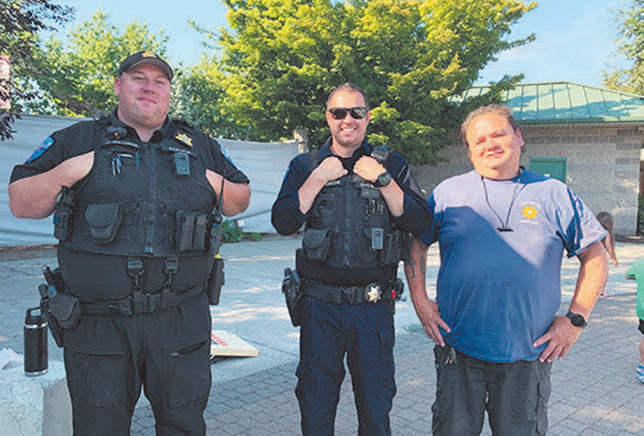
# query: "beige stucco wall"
602,166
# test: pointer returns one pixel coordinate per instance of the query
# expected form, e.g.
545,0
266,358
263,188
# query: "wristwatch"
383,180
576,319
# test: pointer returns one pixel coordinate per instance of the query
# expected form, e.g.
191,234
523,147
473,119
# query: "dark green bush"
232,233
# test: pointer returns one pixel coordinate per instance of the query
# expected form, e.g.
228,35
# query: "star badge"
373,294
182,137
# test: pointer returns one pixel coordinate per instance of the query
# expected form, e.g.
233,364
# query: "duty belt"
139,303
372,293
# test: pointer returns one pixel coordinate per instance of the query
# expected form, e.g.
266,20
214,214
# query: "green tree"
79,79
198,99
281,58
630,25
20,23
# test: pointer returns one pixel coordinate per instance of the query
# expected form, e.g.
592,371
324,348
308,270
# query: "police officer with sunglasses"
359,206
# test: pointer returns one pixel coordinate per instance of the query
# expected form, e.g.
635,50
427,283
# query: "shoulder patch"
43,148
225,155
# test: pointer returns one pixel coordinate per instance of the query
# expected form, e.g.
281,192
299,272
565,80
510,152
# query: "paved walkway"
595,392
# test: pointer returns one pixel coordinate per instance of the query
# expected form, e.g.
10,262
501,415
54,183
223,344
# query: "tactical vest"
150,201
350,227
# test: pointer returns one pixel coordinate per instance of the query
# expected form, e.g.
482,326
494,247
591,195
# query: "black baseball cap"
145,57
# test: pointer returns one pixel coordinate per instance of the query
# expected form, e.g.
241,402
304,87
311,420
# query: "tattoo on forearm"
412,264
421,263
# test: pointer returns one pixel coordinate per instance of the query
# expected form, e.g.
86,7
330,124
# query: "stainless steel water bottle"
35,333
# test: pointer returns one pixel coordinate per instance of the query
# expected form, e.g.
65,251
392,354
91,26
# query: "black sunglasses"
357,113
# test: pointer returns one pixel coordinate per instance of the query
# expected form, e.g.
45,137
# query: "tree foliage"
20,22
281,58
275,64
630,25
80,77
198,99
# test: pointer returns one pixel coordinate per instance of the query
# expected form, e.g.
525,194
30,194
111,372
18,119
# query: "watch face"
383,180
576,319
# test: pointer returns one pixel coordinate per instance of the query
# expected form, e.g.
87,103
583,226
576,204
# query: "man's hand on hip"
560,337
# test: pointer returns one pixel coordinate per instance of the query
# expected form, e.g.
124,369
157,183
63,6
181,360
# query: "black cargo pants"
515,395
109,358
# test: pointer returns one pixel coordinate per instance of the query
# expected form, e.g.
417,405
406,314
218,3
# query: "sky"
575,38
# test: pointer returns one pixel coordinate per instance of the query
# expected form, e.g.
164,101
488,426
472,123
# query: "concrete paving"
595,390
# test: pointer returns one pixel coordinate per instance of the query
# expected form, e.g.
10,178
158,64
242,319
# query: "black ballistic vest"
150,201
350,227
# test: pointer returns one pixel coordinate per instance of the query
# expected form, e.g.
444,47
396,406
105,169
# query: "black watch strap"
576,319
383,180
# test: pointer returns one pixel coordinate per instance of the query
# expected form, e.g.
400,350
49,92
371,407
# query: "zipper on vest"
152,158
346,249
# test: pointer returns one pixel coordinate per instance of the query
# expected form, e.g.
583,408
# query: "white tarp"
263,163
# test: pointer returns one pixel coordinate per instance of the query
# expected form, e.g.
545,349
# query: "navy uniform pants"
363,333
109,358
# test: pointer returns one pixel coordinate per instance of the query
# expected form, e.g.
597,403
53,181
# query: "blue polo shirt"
501,246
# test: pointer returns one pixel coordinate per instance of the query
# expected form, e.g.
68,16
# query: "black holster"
55,328
216,280
292,289
61,310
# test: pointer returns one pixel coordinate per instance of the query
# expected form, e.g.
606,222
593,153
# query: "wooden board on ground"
225,343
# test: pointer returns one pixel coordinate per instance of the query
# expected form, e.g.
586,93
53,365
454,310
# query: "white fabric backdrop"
263,163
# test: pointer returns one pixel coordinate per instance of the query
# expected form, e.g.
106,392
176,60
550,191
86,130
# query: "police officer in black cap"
358,206
134,198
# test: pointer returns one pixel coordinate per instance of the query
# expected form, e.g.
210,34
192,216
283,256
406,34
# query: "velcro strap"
140,303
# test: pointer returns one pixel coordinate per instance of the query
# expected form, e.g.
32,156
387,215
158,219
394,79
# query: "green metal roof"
569,103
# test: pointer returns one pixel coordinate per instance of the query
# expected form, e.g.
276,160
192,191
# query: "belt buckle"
150,302
372,293
121,307
154,302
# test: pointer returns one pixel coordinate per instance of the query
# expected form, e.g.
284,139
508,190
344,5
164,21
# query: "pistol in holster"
61,310
292,290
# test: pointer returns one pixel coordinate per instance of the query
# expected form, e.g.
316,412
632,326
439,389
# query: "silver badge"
372,293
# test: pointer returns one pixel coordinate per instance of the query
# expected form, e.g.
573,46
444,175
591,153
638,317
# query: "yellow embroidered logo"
530,212
182,137
148,54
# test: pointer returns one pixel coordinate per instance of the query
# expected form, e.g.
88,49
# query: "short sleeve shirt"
82,138
501,246
636,271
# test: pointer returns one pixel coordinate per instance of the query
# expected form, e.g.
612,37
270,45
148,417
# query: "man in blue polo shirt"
502,231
